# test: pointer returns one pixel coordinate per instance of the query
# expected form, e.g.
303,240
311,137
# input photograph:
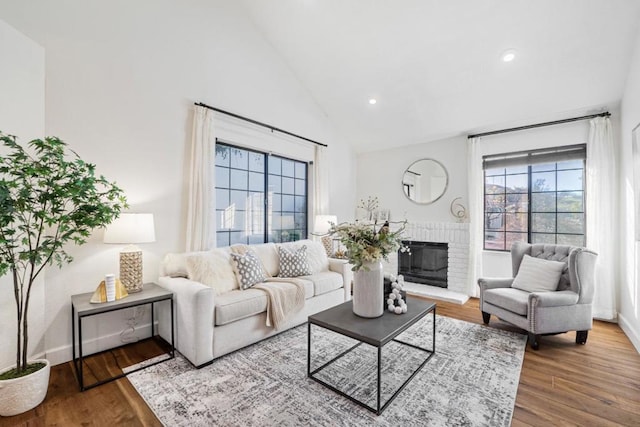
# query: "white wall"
121,81
380,174
21,114
629,313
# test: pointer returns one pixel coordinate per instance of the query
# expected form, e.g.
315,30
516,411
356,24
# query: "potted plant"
49,197
367,243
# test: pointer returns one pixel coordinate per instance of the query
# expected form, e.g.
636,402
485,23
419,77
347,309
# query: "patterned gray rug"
472,380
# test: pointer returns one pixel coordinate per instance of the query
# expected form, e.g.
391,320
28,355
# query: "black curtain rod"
255,122
538,125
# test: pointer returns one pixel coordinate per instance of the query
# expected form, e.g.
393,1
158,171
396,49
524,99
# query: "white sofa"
217,318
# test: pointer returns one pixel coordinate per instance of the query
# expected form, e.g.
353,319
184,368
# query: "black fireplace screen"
426,263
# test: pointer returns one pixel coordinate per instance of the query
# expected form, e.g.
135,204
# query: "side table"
81,307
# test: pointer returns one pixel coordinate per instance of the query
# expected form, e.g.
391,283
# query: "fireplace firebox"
426,263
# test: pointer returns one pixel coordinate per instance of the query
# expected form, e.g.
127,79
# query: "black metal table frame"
77,362
379,409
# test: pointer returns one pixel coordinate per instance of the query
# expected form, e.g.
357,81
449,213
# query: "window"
534,196
259,197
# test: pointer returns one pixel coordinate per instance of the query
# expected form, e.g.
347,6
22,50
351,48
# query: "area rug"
471,380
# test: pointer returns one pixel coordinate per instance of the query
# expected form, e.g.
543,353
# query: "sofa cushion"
511,299
293,262
325,281
538,275
248,269
238,304
309,288
213,269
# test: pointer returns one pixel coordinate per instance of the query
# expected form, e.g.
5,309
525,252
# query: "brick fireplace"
456,235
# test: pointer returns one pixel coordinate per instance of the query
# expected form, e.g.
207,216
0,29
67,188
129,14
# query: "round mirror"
425,181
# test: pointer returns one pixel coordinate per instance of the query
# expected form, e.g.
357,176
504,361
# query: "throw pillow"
538,275
248,269
212,269
294,263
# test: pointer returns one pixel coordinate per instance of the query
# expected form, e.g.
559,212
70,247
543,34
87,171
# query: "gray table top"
150,293
376,332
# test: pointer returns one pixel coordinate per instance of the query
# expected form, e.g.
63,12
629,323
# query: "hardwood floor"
597,384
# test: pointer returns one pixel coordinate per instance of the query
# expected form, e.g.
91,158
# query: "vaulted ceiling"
435,67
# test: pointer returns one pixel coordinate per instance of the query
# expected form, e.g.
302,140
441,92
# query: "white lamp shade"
322,223
131,228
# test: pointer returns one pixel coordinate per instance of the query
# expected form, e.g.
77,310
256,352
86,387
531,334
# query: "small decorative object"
367,244
395,295
110,285
369,207
340,254
49,198
458,210
131,228
100,295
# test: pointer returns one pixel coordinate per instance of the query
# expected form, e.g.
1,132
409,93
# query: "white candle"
110,282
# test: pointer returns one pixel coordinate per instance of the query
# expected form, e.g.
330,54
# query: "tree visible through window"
540,201
259,197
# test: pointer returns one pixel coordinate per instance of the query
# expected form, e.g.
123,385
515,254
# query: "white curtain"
601,201
320,183
201,211
476,214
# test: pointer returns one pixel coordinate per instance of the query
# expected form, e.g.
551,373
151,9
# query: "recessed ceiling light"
509,55
372,101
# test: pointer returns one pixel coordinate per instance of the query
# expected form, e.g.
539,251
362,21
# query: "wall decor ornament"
458,210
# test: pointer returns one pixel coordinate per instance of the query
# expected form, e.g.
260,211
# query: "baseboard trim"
632,334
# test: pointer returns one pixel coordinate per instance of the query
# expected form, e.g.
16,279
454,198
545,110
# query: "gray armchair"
544,313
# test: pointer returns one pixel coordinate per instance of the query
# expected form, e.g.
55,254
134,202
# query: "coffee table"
376,332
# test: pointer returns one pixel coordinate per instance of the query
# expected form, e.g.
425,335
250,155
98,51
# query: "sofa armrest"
194,305
553,299
343,267
494,282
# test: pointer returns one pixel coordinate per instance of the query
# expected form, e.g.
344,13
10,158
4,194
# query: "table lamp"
131,228
322,224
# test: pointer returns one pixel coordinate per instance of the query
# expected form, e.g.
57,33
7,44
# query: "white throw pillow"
212,269
538,275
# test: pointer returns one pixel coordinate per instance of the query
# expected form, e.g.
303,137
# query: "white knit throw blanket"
285,297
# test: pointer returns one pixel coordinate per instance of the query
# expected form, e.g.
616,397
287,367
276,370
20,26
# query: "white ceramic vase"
22,394
368,289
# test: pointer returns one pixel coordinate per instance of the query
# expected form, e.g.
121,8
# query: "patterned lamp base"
131,271
327,242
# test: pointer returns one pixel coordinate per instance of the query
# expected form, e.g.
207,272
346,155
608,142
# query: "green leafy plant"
367,241
49,197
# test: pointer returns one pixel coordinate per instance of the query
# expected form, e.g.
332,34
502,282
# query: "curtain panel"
200,230
476,214
601,199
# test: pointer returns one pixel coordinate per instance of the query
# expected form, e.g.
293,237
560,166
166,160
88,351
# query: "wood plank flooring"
597,384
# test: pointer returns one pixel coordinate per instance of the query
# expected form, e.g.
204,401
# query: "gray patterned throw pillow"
293,263
248,269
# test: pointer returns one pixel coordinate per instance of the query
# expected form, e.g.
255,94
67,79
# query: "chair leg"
534,341
581,337
486,317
